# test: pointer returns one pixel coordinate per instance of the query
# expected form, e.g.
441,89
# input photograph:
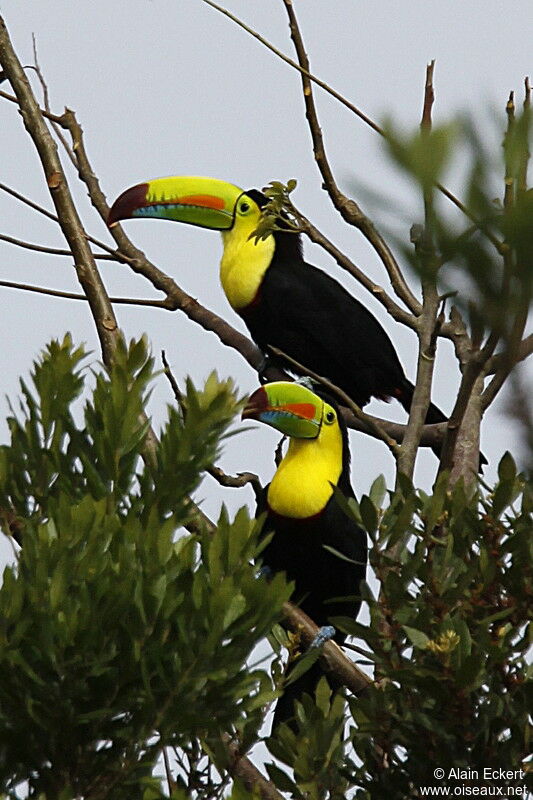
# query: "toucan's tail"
404,395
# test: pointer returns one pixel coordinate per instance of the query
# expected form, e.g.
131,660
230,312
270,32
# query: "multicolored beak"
206,202
288,407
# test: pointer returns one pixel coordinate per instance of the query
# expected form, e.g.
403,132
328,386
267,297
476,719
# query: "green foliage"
120,632
276,215
496,253
423,155
449,636
315,751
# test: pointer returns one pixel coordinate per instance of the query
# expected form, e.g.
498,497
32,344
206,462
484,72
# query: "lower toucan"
315,542
285,302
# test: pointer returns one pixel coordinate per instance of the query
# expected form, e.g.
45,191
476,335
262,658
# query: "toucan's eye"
330,417
244,207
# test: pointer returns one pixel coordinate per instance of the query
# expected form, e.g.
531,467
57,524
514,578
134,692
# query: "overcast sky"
166,87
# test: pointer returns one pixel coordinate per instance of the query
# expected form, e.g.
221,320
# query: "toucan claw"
325,633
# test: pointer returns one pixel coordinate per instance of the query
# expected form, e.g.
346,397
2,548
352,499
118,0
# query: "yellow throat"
302,486
244,261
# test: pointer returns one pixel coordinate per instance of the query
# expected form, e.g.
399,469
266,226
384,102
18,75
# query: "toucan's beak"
288,407
206,202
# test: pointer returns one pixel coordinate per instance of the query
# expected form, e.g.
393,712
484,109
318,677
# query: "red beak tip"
257,402
126,203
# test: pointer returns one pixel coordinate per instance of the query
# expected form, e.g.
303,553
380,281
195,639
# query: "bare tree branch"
36,207
429,97
54,251
332,657
351,107
427,325
523,351
55,124
241,767
131,301
347,208
235,482
69,220
312,232
298,67
368,421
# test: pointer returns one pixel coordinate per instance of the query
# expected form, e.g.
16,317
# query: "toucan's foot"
325,633
265,572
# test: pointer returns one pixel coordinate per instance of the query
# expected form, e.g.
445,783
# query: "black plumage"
297,548
311,317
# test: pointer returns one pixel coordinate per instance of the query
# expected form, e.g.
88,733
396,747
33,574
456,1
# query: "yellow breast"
303,481
244,263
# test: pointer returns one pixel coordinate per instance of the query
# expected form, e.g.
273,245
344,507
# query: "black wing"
312,318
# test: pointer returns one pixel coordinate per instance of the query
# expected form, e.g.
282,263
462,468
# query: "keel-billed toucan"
284,301
304,515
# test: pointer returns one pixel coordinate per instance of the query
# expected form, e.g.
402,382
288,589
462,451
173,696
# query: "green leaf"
280,779
369,514
507,468
303,664
377,492
416,637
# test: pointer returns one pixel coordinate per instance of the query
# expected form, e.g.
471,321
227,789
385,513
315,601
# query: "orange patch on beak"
202,200
304,410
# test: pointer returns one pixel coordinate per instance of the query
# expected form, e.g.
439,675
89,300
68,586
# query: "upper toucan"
284,301
304,515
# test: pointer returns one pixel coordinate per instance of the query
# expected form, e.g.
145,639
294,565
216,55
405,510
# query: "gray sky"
166,87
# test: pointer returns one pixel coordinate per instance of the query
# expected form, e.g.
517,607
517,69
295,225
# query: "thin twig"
36,207
366,119
54,251
68,217
429,97
131,301
233,481
427,325
351,107
347,207
241,767
55,125
317,237
236,481
523,351
368,421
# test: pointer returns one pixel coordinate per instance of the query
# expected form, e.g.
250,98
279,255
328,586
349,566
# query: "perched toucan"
315,542
284,301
